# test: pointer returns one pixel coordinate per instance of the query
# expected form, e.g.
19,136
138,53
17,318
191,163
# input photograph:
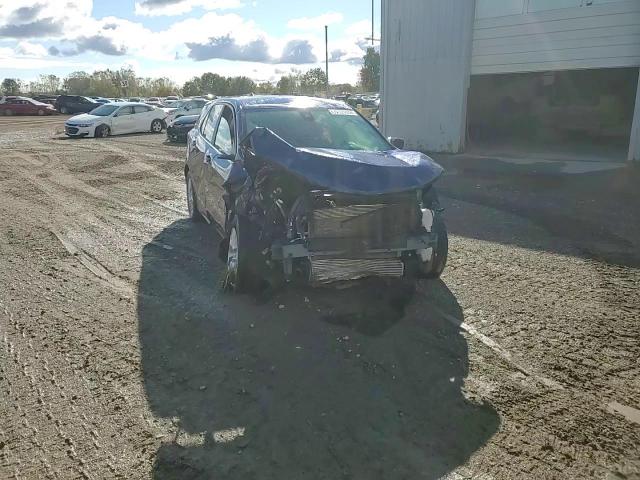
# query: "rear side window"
141,109
210,124
224,137
125,111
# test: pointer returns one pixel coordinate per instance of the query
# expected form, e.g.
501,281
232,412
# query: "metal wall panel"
591,36
426,59
634,148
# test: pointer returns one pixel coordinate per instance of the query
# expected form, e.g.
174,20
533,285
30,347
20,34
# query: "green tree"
192,87
77,83
49,83
214,84
11,86
241,86
265,88
370,71
313,82
288,84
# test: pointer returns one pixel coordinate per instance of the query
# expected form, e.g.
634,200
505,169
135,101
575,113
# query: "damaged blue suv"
306,190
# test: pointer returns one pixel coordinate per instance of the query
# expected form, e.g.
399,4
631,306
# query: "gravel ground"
121,358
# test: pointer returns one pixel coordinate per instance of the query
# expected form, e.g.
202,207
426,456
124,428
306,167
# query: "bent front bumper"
77,131
320,267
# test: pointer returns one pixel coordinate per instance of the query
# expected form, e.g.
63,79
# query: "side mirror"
397,142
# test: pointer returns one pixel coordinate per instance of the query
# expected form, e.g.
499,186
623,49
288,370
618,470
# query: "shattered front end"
336,237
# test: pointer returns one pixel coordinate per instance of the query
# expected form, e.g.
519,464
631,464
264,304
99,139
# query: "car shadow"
300,386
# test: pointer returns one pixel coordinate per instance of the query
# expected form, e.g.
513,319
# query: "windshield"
338,129
104,110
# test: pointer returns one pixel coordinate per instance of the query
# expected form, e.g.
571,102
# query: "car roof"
128,104
285,101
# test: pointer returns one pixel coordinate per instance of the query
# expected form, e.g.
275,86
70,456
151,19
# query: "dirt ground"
122,358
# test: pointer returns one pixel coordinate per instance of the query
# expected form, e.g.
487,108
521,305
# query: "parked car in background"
75,104
154,101
135,99
115,119
100,100
305,190
25,106
50,99
178,130
188,106
172,98
4,99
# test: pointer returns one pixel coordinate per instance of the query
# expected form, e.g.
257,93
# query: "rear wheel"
40,112
102,131
156,126
192,202
64,110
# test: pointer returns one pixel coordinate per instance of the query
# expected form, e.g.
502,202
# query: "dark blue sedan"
306,190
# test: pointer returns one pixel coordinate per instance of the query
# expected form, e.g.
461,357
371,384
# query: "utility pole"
326,55
373,28
373,25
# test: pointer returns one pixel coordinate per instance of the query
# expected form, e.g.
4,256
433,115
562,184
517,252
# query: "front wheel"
241,277
434,267
156,126
102,131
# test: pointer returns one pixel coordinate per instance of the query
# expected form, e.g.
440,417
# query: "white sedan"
115,119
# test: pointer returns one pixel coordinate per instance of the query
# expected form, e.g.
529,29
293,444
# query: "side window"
140,109
125,111
203,118
225,135
212,120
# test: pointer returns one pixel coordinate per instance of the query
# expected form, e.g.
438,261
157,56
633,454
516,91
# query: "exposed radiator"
336,269
377,224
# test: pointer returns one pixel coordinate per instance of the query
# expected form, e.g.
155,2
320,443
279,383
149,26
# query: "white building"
538,75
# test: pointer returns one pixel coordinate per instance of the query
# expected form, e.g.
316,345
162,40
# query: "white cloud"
315,23
180,7
29,49
84,41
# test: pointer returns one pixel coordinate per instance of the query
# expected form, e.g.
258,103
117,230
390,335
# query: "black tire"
64,110
40,112
435,267
102,131
156,126
241,253
192,201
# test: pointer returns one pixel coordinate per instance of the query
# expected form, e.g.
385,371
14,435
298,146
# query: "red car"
25,106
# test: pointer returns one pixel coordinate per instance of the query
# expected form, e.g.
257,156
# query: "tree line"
125,83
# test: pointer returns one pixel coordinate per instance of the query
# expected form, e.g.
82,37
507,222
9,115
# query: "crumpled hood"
348,171
84,118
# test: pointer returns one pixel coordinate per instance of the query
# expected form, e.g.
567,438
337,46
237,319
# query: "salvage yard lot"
122,358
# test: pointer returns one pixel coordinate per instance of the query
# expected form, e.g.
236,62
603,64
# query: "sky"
179,39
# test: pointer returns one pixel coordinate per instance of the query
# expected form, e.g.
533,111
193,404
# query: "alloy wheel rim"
190,197
157,126
232,255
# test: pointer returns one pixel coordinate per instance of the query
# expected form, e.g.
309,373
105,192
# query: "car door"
219,159
122,121
198,146
141,121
